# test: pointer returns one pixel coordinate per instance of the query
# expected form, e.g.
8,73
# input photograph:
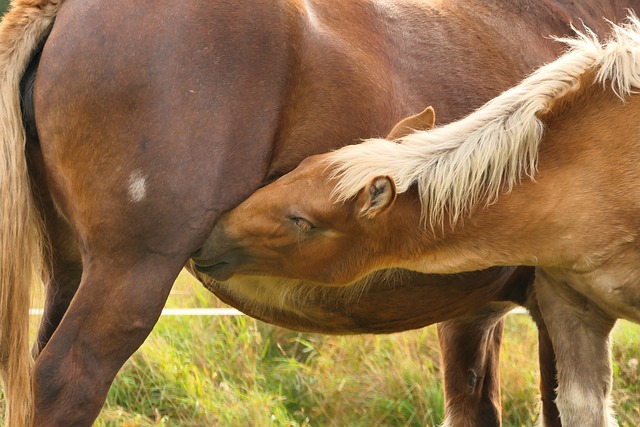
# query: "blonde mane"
460,164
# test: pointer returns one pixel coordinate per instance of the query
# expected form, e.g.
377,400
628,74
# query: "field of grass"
235,371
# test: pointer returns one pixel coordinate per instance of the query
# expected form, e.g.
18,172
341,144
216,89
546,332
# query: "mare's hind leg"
470,348
116,306
64,263
65,273
579,331
60,289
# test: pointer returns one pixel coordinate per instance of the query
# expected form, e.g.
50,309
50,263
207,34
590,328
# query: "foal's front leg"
580,333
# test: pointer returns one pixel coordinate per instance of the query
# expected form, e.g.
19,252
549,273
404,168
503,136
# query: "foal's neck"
581,208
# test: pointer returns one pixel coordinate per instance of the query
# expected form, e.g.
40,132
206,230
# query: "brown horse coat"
457,199
152,119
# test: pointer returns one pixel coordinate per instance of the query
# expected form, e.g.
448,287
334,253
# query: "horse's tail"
21,236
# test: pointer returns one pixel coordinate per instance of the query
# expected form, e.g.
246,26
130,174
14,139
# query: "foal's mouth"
220,271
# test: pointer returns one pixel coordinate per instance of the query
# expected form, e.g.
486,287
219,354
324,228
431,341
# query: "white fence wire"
217,312
179,312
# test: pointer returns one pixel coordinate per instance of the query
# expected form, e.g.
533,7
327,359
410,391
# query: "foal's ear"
422,121
379,194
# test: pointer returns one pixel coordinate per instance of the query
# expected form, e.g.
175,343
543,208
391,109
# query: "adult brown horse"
455,199
143,131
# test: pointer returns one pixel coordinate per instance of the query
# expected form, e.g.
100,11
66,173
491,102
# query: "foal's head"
292,227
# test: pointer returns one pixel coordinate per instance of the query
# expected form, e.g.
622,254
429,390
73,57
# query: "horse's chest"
613,286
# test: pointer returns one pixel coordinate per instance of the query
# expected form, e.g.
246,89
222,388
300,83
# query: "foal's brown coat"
577,222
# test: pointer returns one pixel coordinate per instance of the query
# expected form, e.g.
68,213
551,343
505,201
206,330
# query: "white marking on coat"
137,186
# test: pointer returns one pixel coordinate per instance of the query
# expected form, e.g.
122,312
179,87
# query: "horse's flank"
474,159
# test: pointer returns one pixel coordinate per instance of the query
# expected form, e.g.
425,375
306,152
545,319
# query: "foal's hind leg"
470,348
580,333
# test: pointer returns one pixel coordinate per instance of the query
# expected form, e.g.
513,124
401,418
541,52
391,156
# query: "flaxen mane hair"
21,260
473,160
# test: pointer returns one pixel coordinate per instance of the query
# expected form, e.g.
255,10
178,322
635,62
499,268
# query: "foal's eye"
302,224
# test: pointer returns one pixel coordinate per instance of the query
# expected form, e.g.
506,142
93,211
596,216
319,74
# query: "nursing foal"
144,121
459,198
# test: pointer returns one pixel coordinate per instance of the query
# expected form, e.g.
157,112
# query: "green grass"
235,371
